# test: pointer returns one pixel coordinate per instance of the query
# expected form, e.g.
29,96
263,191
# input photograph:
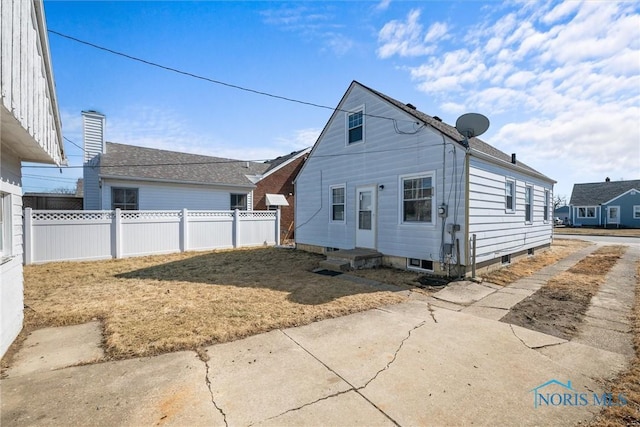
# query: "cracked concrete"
424,362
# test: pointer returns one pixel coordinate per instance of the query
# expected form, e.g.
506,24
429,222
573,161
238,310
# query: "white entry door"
613,214
366,217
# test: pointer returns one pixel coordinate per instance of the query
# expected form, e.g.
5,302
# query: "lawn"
620,232
150,305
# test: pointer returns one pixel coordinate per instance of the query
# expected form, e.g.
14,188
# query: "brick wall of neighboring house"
280,182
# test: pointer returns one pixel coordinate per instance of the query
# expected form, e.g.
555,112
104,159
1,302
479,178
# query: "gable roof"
150,164
282,160
450,131
596,193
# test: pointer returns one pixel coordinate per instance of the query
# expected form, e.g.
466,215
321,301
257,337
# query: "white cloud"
406,39
559,81
383,5
299,139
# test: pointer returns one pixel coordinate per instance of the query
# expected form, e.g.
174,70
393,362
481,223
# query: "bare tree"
559,201
63,190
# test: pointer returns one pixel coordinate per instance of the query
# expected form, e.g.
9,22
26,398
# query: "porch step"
335,265
354,259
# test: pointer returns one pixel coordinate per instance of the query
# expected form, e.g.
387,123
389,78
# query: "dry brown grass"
561,248
628,383
156,304
621,232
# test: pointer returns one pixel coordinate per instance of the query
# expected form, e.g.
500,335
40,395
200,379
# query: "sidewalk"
428,361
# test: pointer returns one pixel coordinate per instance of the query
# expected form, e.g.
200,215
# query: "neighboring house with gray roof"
137,178
608,204
385,176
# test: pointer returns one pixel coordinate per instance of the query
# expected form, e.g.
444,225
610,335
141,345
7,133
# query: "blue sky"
559,81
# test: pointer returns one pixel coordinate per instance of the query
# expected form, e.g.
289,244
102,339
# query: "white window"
528,204
239,202
546,205
5,227
587,212
417,199
124,198
337,203
636,212
509,196
355,127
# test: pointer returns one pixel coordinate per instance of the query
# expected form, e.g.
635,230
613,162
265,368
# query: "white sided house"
29,131
387,177
137,178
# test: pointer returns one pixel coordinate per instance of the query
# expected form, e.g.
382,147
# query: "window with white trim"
509,196
528,204
417,199
239,202
636,212
546,205
355,127
5,224
337,203
124,198
587,212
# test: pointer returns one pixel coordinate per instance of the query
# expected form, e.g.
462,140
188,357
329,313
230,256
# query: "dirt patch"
150,305
561,248
559,306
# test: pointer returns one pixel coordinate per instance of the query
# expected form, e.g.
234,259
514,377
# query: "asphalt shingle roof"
452,132
129,161
596,193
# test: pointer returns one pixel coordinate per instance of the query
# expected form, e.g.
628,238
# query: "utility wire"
73,143
210,80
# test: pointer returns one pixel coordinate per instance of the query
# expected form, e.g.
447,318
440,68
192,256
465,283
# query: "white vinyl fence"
91,235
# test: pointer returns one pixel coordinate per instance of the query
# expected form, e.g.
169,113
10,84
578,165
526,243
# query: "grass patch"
561,248
627,383
620,232
559,306
155,304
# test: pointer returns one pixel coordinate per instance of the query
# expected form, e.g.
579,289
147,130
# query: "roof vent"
513,158
413,107
607,179
437,118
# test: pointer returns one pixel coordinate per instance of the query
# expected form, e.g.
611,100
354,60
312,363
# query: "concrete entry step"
335,265
357,258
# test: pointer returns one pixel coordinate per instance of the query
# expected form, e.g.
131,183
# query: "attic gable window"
355,127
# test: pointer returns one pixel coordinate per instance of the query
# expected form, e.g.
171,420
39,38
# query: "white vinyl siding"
382,160
498,232
169,196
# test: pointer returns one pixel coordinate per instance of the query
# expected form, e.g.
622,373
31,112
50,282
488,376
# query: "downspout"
467,158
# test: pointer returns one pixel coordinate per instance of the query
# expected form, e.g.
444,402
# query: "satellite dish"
472,124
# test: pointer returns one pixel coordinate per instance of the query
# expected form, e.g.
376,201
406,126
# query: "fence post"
236,228
184,224
278,217
27,238
117,233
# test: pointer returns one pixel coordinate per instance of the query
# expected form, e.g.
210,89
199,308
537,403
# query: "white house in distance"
137,178
29,131
385,176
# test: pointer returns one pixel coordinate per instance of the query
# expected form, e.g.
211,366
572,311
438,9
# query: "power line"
214,81
73,143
